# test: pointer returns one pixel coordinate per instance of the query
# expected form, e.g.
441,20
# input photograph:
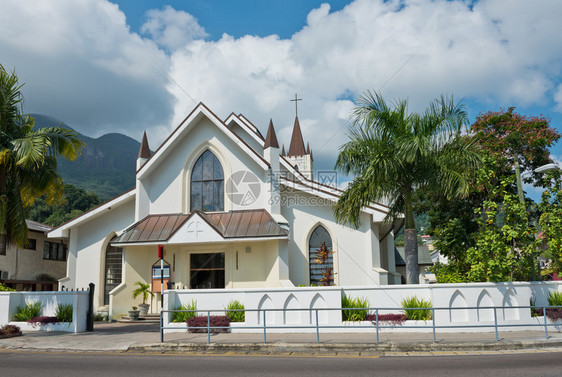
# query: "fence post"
208,326
264,327
496,323
545,325
377,318
162,326
433,320
90,313
317,330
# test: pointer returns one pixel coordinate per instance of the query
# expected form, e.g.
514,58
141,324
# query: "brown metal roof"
296,148
234,224
271,137
245,224
153,228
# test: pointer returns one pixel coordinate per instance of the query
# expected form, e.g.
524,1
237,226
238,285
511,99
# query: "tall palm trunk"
410,241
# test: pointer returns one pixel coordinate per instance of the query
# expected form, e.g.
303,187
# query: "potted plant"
134,314
144,290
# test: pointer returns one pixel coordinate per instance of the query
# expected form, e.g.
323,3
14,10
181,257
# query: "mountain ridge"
106,166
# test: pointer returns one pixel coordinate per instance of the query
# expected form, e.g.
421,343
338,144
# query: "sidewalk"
125,337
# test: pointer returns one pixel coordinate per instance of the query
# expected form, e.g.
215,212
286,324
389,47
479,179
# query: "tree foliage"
550,222
393,154
27,159
457,226
74,202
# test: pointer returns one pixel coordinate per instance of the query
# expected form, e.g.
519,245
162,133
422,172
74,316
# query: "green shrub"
184,316
235,316
64,312
354,315
100,317
27,312
411,303
3,288
555,299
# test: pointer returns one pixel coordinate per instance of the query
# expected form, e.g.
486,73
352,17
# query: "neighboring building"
232,211
424,261
36,267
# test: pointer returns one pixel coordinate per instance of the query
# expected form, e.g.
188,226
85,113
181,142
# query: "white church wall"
87,247
352,247
167,185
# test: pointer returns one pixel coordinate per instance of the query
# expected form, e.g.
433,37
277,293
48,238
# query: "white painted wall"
88,242
167,186
356,251
9,301
388,299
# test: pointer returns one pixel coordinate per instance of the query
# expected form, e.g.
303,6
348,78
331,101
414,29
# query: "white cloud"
84,65
558,98
492,52
171,28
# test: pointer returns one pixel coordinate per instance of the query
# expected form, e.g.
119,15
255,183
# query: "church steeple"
271,137
144,151
296,148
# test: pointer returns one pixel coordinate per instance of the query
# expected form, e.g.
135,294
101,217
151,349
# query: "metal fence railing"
378,324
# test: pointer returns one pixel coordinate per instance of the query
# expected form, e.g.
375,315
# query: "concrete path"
144,337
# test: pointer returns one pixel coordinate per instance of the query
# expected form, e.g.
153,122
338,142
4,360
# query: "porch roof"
256,223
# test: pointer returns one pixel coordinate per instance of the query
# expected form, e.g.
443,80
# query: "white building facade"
232,211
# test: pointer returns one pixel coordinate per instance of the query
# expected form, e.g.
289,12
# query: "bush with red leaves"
553,314
199,324
38,321
9,330
390,319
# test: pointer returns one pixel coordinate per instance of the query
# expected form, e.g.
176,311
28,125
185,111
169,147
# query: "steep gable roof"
199,111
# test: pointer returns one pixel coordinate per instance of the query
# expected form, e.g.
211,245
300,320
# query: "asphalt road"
47,364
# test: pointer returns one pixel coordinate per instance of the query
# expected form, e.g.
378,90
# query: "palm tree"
394,155
28,166
143,289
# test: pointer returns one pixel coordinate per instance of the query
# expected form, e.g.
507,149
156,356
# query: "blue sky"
236,18
130,66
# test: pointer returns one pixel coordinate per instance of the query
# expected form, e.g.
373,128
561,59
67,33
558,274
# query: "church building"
229,209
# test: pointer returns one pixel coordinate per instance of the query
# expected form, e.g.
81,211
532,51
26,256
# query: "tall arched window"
207,184
319,236
113,270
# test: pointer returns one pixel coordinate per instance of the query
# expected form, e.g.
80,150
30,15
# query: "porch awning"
256,223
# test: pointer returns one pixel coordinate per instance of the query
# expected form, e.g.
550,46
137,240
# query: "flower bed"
199,324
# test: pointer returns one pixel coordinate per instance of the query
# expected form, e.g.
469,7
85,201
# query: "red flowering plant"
322,257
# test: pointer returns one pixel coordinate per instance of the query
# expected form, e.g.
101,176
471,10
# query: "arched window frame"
315,269
207,182
113,270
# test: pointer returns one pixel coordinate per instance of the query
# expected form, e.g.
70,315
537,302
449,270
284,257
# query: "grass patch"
415,308
354,307
28,312
184,316
235,311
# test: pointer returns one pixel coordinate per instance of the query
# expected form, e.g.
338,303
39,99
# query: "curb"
284,348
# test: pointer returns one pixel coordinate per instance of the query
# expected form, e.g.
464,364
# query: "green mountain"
107,165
